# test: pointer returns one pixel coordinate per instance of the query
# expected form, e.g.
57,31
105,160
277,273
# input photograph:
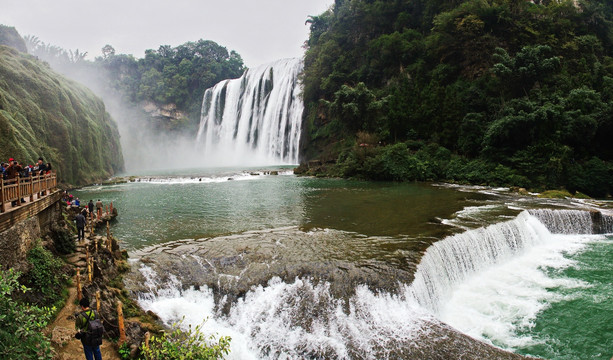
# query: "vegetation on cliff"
501,92
44,114
10,37
168,77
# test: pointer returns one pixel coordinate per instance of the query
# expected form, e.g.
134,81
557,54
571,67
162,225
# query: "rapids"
316,283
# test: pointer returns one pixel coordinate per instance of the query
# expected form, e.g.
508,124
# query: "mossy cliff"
44,114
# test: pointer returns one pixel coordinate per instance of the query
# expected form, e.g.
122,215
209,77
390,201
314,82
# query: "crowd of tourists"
87,212
13,170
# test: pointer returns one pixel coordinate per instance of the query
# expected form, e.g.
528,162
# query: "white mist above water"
253,120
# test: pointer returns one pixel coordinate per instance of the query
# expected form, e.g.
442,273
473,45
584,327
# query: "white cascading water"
452,260
487,282
492,282
253,120
565,221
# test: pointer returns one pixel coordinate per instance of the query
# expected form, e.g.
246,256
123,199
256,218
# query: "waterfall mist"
255,120
145,146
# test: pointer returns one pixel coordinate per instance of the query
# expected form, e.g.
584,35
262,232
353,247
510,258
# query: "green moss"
44,114
555,194
580,195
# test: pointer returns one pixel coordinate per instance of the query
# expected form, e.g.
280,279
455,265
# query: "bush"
21,326
186,345
45,277
63,241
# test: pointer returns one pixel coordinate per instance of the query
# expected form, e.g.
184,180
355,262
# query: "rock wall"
25,225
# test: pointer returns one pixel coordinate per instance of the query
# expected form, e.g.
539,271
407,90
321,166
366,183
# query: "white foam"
470,215
496,303
287,321
178,180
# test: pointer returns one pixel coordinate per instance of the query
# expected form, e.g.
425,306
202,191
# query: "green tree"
21,325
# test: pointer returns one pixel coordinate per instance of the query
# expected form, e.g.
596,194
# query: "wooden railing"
25,187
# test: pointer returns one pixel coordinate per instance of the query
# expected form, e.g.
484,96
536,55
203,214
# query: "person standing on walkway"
99,207
90,206
89,330
12,173
80,220
41,166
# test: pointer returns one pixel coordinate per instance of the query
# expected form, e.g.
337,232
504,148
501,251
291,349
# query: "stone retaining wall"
20,228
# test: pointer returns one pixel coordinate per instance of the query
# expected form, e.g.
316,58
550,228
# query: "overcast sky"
259,30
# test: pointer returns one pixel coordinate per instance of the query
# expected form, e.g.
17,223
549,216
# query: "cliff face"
44,114
10,37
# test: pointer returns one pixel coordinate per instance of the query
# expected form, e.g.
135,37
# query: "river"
293,267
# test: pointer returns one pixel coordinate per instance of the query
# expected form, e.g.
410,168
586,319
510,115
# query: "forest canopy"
500,92
169,75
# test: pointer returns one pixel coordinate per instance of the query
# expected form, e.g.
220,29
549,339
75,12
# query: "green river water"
391,218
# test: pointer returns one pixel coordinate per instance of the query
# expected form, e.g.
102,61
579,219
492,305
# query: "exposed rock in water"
253,258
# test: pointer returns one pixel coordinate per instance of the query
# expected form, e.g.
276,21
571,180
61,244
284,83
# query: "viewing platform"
30,196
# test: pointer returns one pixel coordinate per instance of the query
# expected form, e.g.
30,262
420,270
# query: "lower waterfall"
489,283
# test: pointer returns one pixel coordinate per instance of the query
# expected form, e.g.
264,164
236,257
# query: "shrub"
186,345
63,241
45,277
21,325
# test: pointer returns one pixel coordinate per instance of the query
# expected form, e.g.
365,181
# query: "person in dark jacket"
81,320
80,220
90,206
42,167
12,172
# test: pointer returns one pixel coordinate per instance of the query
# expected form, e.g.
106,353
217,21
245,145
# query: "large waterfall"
253,120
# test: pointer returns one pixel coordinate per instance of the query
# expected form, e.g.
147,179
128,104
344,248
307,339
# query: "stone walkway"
62,329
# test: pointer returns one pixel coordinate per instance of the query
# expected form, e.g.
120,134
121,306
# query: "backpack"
93,330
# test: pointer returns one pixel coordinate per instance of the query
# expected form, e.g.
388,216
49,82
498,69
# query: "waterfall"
574,221
303,319
253,120
452,260
565,221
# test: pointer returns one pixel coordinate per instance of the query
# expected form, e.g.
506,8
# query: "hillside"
44,114
165,88
498,92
